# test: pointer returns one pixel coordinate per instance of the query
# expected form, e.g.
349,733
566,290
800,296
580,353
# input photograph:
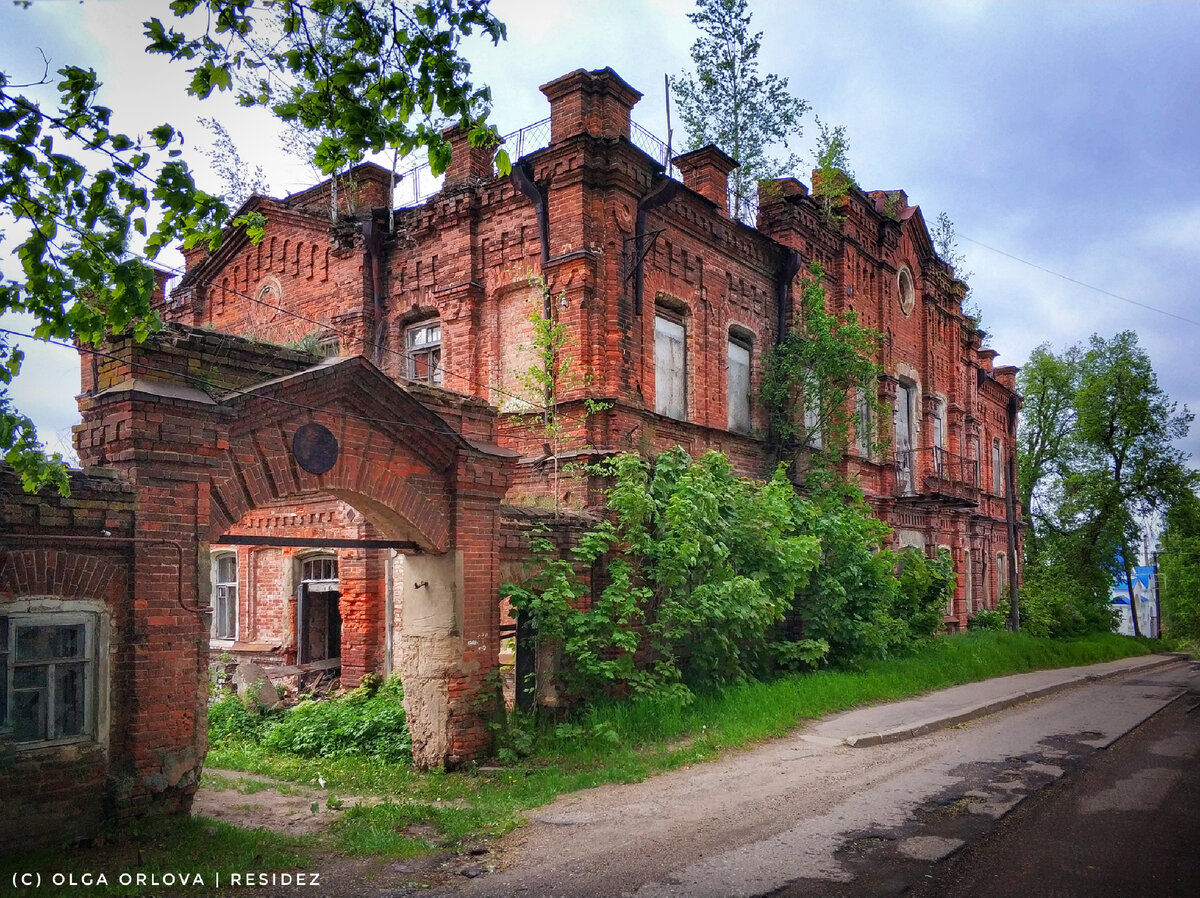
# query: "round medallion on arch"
908,293
315,448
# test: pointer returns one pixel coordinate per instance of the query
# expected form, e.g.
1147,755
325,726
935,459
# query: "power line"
1066,277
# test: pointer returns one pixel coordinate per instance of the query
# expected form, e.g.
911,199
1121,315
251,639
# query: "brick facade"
426,314
579,214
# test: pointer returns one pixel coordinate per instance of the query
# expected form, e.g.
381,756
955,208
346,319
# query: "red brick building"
670,305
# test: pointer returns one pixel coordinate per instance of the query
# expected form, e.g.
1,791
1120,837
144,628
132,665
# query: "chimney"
706,171
467,163
596,103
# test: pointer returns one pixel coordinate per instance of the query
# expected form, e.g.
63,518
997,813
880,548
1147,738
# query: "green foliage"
1097,453
698,564
988,619
809,375
366,74
1179,569
1055,604
725,101
229,719
367,722
833,179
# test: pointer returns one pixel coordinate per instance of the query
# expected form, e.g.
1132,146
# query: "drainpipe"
522,179
373,239
783,285
659,195
1014,615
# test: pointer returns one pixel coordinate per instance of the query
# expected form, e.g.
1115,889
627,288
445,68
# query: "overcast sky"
1061,138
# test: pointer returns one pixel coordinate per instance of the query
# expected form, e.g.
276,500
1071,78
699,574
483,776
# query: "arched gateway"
209,427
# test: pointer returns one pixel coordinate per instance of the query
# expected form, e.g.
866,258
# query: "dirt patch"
260,802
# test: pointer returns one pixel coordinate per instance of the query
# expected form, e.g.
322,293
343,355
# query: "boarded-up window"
739,384
515,390
670,367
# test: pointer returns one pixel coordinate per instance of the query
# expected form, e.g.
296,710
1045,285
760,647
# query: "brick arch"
67,574
402,500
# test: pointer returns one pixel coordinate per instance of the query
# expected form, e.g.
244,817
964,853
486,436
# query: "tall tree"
85,199
1126,465
1097,455
725,101
1048,383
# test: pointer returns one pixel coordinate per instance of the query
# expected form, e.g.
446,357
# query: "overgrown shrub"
356,724
368,722
706,578
230,719
987,619
1053,603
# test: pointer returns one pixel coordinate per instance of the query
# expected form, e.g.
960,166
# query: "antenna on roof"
667,100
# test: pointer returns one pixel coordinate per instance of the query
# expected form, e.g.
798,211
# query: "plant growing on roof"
832,178
725,101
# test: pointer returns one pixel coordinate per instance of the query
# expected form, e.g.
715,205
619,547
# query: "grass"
156,847
629,741
612,742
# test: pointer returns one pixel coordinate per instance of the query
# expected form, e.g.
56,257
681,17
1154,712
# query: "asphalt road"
797,817
1125,824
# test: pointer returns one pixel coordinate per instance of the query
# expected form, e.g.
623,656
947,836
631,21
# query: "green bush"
229,719
354,725
988,619
1053,603
366,723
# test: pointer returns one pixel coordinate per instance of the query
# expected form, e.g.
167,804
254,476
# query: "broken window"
224,597
997,469
670,366
939,438
47,676
423,346
739,383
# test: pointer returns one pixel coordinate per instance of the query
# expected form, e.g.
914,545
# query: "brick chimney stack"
706,171
596,103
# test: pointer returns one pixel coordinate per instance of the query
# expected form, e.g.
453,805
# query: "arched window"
738,374
423,346
225,595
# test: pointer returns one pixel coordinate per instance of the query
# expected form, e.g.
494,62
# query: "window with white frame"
670,365
739,383
939,437
423,346
812,422
47,676
997,468
224,596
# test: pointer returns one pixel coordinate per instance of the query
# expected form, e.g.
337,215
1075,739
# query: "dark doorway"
318,618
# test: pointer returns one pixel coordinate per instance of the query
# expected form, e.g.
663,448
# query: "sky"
1060,138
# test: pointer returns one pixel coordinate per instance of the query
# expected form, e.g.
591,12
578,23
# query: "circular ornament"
315,448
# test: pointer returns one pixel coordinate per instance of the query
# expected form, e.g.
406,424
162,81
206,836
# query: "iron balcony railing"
931,471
